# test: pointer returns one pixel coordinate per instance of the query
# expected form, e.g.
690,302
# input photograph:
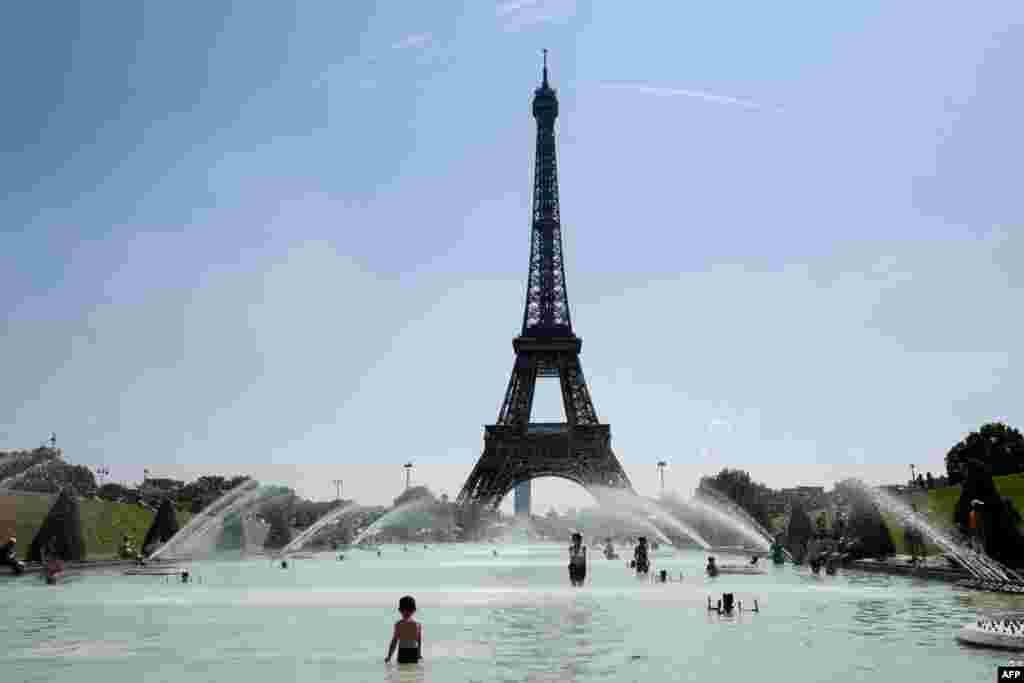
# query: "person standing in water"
408,634
643,565
577,561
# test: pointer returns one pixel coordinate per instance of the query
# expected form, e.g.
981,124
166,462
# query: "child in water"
577,561
408,635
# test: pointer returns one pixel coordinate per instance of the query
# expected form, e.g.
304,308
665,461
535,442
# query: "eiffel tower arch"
517,450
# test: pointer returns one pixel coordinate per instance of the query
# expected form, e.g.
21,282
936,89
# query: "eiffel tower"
515,449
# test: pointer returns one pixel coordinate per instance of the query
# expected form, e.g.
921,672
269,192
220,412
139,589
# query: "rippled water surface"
485,618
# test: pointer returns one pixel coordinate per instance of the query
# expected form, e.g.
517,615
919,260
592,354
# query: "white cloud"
696,94
519,14
719,425
415,40
505,8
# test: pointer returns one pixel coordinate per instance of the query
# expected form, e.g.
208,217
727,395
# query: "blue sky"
291,239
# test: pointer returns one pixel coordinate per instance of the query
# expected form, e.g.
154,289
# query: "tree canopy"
996,445
741,489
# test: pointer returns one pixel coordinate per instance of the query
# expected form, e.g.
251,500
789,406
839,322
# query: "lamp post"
408,474
337,486
661,470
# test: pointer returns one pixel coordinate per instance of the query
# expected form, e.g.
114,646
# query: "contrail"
679,92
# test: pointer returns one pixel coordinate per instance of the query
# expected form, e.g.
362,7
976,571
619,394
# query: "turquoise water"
485,618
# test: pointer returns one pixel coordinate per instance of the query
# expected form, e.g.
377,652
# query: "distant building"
521,504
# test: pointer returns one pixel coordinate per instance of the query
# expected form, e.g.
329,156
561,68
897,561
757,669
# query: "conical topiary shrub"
63,528
280,533
164,526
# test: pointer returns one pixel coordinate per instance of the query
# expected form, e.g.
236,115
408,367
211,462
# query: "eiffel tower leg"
512,456
579,409
519,395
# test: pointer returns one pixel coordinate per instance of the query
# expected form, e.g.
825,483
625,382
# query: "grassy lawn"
103,522
938,505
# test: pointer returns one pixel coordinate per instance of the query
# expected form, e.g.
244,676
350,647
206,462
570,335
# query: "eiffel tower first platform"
515,449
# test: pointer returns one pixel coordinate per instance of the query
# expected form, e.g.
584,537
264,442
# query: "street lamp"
337,485
408,473
661,470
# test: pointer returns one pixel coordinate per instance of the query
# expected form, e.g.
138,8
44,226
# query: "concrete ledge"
902,568
88,565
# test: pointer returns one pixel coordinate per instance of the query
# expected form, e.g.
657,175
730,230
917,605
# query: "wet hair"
579,536
407,604
642,539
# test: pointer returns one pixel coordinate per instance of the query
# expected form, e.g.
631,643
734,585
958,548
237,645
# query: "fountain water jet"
316,526
393,517
212,517
637,507
7,483
980,565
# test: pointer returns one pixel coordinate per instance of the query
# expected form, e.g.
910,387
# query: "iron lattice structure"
515,449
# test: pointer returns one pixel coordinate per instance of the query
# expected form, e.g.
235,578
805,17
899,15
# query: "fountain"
316,526
636,507
1005,633
987,571
212,517
394,517
719,513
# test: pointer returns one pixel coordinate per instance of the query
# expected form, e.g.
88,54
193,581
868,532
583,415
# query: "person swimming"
712,568
408,634
577,561
643,564
284,564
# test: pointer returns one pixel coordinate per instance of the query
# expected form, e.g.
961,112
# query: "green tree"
800,529
741,489
998,446
413,493
278,512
